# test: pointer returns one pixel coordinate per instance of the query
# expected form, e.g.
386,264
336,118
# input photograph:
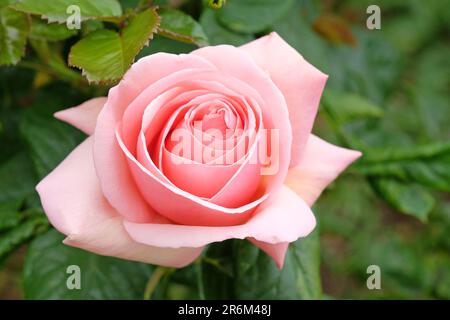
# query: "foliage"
387,95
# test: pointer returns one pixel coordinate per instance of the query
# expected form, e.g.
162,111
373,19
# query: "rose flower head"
193,149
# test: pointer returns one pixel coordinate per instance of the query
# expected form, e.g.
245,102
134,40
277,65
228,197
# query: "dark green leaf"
253,15
14,28
45,272
11,239
296,29
9,216
217,271
181,27
257,277
104,55
305,256
17,179
217,34
163,44
56,10
49,140
407,198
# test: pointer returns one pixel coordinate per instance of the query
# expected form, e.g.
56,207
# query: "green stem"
201,288
57,66
153,281
37,67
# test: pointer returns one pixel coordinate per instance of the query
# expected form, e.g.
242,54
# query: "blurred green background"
387,95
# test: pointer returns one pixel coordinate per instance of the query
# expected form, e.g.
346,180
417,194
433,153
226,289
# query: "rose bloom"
130,191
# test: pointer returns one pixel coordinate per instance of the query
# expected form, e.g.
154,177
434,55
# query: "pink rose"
193,149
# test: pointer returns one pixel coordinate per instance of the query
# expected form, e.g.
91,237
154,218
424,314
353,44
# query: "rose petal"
321,163
240,65
179,205
284,217
120,188
84,116
300,82
74,204
276,251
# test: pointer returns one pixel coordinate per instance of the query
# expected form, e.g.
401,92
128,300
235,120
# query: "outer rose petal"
73,201
284,217
276,251
299,81
84,116
321,163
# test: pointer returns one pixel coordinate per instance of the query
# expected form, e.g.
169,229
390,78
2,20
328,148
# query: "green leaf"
217,34
305,256
180,26
138,33
9,217
430,90
56,10
346,107
105,55
41,30
49,140
14,27
251,16
130,4
13,238
217,271
428,165
45,272
99,56
407,198
162,44
257,277
17,179
296,29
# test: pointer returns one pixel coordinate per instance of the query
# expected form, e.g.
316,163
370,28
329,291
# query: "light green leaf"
14,28
217,34
407,198
180,26
41,30
105,55
257,277
45,272
252,15
56,10
345,107
100,56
